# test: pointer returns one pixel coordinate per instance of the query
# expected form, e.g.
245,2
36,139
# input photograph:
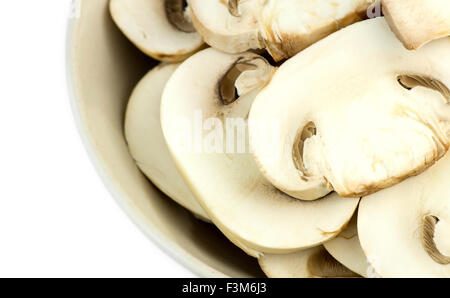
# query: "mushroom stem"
175,10
429,224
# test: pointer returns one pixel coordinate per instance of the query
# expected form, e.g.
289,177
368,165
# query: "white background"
56,217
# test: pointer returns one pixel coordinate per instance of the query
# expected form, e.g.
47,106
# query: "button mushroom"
348,118
146,141
161,29
283,27
310,263
405,230
416,22
225,180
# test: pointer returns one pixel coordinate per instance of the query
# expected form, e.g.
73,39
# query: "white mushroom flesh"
239,200
146,141
371,130
224,31
417,22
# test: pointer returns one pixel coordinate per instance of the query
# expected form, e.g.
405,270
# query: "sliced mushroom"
310,263
239,200
146,141
284,27
346,119
346,249
416,22
289,26
405,230
161,29
229,26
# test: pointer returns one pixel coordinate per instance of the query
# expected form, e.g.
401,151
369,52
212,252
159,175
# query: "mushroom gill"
175,12
227,84
322,264
428,242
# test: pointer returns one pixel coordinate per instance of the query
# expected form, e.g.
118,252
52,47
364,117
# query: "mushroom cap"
346,249
314,262
398,230
239,200
146,25
146,141
417,22
370,131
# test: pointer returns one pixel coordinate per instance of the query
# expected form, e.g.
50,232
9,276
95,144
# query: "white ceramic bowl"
103,67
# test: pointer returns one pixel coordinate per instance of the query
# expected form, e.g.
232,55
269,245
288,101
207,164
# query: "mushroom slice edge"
146,142
417,22
314,262
346,249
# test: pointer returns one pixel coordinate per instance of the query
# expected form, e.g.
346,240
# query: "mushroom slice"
405,230
315,262
146,141
227,25
346,249
347,119
284,27
160,28
289,26
226,181
416,22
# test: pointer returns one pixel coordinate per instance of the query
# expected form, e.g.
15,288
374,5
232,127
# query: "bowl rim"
163,242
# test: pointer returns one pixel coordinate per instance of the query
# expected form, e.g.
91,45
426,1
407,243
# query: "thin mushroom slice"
405,230
195,109
146,141
314,262
229,26
417,22
356,120
161,29
289,26
346,249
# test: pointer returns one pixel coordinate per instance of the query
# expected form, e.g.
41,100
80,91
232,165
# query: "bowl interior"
103,69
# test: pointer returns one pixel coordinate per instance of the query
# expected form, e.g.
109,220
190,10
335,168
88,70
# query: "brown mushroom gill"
226,86
428,229
175,10
322,264
233,7
411,81
308,131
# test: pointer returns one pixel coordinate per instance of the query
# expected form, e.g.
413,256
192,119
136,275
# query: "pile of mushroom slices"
314,138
